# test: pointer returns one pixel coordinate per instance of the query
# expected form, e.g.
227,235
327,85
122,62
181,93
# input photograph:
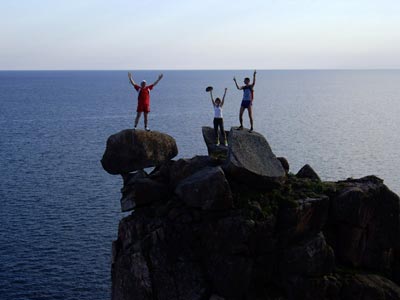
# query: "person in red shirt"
143,98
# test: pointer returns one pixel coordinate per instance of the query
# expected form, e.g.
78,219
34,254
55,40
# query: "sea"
60,210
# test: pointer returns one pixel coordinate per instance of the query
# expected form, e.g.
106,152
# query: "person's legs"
223,134
216,130
250,117
145,120
241,117
138,114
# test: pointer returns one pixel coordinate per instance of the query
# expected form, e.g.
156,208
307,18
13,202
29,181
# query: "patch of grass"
253,202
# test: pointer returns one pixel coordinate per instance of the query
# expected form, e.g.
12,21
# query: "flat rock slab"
251,160
131,150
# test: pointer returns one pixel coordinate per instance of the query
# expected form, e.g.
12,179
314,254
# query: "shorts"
246,103
143,107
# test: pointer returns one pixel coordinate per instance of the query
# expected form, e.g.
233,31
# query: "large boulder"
363,225
131,150
251,160
206,189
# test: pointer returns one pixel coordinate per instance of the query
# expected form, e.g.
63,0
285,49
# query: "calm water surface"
59,210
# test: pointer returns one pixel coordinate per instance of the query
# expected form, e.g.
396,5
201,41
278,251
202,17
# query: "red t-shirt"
144,93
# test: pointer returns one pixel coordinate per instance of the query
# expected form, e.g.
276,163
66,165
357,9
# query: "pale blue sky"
219,34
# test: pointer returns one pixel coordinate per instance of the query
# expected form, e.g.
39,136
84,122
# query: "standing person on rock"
247,100
218,118
143,99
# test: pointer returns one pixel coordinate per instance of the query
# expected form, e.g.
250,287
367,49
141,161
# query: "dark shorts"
246,103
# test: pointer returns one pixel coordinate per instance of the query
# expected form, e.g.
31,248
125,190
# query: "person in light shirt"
218,117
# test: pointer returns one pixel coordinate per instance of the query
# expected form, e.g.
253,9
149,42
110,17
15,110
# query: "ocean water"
60,211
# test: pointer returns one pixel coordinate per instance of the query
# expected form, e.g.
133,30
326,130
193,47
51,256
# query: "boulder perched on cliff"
251,160
131,150
210,139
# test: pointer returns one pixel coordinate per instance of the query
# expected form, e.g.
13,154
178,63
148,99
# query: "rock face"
131,150
197,233
206,189
364,224
250,159
220,151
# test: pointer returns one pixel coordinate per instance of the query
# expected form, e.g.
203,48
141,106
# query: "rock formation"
131,150
200,231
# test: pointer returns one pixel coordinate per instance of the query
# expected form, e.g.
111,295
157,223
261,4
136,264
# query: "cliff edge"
239,226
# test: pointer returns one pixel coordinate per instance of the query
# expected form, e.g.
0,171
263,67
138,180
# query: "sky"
204,34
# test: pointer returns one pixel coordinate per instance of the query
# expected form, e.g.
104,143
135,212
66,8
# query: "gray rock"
307,172
312,257
303,217
210,139
285,164
184,167
206,189
251,160
139,190
364,224
344,286
127,200
131,150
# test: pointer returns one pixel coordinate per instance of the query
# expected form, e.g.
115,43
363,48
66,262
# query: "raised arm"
254,77
237,86
223,97
131,79
158,79
212,98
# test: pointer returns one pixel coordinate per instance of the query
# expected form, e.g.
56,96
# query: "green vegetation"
258,203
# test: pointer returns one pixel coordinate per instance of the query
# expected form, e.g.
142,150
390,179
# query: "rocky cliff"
237,225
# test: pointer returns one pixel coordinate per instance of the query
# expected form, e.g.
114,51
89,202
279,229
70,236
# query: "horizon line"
239,69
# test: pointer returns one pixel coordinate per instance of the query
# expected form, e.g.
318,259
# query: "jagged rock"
285,163
344,286
147,245
301,218
307,172
206,189
184,168
131,150
143,191
127,199
251,160
364,223
311,257
210,139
